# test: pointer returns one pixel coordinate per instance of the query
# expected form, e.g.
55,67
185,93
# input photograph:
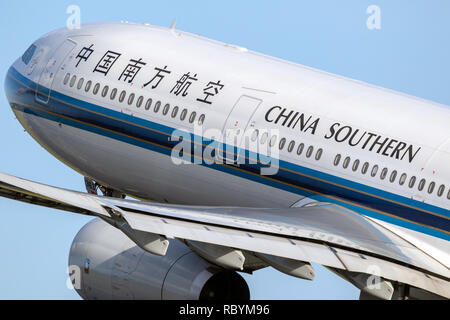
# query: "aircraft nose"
18,85
9,87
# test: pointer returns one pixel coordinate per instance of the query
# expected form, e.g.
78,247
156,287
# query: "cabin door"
48,74
237,123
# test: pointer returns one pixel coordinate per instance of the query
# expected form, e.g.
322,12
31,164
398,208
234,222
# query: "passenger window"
174,112
264,138
66,79
148,104
73,80
393,176
448,194
422,184
166,109
431,187
282,143
355,165
412,182
337,159
201,120
309,151
402,179
383,173
441,190
80,83
113,94
300,148
192,117
139,101
122,96
157,106
291,146
183,114
131,99
319,154
273,140
346,162
374,171
88,86
105,91
365,167
255,135
96,88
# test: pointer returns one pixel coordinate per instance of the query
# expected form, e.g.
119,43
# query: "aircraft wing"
354,246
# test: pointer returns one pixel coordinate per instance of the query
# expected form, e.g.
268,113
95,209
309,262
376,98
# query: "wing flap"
329,256
324,224
245,240
380,268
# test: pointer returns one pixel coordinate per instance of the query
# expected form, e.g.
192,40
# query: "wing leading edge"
348,243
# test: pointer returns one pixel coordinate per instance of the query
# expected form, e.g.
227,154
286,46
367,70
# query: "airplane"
204,159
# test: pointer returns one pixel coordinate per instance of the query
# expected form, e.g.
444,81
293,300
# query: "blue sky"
410,53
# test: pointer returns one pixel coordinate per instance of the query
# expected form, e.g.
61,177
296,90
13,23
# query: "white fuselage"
120,143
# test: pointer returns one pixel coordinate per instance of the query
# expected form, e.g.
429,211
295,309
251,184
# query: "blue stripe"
150,138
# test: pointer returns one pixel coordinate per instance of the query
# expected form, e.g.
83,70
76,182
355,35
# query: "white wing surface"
327,234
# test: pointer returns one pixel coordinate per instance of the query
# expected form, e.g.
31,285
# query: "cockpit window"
26,58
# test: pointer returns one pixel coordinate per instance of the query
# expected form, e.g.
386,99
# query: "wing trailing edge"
326,234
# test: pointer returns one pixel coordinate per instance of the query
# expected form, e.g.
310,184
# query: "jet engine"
105,264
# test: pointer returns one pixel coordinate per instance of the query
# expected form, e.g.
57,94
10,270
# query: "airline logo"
354,137
180,83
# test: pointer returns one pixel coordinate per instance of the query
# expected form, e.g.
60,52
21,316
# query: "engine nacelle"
106,264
